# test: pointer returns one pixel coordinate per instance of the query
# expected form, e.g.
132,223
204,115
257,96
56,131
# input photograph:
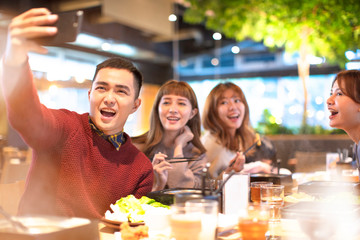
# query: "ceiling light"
350,55
235,49
106,46
172,18
215,61
217,36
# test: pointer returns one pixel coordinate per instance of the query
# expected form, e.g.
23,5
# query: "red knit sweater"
74,171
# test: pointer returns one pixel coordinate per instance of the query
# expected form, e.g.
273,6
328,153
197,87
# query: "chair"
14,171
15,164
310,161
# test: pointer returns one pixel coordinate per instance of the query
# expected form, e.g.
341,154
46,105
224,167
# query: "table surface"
288,229
106,233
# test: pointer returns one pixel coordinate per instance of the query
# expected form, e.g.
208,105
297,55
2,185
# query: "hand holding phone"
68,25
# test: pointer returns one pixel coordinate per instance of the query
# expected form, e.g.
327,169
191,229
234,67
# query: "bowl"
51,228
322,220
179,195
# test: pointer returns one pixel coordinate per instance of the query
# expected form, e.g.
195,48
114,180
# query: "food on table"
133,233
132,209
342,197
298,197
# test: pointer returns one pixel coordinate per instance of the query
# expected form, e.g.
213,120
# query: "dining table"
284,228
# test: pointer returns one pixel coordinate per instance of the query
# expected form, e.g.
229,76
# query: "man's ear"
137,104
193,113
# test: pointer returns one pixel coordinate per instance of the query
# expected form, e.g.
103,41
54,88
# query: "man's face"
112,99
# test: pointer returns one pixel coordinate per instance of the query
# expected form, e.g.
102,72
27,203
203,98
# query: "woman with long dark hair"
175,130
344,105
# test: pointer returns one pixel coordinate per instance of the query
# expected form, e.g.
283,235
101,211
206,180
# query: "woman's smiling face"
174,112
344,112
231,110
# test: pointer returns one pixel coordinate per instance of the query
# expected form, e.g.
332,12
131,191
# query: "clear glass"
255,190
274,197
209,216
185,222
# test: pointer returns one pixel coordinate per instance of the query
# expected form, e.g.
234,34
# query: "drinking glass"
185,222
273,196
209,216
254,222
255,190
350,175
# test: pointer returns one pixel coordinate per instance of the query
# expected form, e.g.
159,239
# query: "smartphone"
68,25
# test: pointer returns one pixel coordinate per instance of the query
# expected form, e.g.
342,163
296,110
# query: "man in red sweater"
82,162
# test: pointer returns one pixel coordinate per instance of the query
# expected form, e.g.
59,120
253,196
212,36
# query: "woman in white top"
228,132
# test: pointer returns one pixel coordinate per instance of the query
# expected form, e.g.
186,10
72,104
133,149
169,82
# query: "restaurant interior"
155,36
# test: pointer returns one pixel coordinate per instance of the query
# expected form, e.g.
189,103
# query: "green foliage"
331,26
268,127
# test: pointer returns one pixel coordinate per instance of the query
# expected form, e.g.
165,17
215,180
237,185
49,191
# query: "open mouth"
173,118
234,117
333,113
107,112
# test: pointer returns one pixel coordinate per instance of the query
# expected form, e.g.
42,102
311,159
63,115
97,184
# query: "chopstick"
257,142
182,159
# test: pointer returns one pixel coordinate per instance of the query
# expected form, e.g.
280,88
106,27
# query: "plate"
116,224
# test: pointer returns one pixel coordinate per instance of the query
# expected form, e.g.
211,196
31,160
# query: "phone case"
68,24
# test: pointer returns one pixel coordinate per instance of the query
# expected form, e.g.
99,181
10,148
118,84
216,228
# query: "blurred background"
283,55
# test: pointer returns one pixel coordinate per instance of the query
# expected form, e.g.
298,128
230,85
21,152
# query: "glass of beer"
255,190
273,196
209,216
185,222
254,222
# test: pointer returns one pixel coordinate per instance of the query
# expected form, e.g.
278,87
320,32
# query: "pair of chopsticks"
256,143
181,159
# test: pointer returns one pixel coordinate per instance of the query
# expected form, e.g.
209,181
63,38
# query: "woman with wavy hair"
174,132
228,132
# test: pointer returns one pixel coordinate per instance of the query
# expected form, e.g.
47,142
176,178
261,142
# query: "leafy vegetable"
135,208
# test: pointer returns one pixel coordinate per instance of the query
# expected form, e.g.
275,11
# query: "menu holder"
235,193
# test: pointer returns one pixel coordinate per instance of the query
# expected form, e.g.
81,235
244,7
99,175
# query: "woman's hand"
237,163
161,168
184,137
257,167
23,29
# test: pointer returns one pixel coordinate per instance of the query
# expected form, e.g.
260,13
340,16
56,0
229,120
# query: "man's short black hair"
122,63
